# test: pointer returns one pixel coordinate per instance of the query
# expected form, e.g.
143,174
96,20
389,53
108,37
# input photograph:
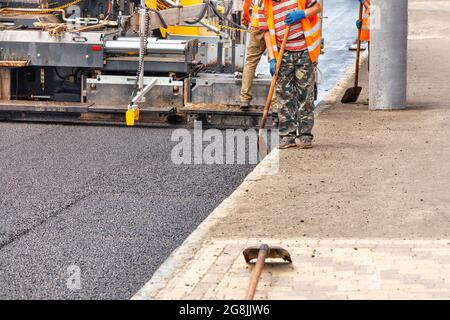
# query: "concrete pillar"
388,54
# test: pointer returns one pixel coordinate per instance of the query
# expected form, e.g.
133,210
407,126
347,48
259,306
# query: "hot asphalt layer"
109,200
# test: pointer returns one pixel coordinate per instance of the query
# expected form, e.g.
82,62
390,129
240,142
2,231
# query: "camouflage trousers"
294,98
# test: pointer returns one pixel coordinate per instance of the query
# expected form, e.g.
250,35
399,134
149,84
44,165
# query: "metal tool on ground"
352,94
262,143
261,253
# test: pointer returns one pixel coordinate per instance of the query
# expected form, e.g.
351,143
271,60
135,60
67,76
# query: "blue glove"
273,64
295,16
358,24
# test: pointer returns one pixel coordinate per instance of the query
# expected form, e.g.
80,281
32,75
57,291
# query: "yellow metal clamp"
131,116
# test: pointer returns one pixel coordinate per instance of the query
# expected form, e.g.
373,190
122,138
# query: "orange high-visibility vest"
310,25
255,20
365,26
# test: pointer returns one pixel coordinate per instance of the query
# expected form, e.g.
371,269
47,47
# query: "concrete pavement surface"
365,213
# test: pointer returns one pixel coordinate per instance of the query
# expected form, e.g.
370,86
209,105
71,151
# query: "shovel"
262,144
352,94
260,254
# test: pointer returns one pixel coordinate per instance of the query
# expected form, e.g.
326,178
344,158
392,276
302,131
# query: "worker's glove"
273,66
295,16
358,24
246,19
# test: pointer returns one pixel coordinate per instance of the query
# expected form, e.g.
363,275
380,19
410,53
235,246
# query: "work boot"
287,142
304,142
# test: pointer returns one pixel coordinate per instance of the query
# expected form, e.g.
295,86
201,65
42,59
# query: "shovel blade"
274,252
262,144
351,95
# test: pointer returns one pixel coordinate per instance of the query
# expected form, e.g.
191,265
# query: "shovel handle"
259,266
274,78
358,46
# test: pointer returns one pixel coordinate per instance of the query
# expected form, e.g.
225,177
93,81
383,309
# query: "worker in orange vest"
255,50
295,88
364,24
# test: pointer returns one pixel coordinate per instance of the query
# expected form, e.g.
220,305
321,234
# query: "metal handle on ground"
259,266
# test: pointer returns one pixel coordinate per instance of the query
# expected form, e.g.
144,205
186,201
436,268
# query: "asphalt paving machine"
155,61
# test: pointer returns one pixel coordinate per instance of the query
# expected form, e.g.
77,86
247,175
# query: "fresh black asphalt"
107,200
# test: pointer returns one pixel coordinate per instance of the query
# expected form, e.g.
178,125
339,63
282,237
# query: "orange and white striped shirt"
296,38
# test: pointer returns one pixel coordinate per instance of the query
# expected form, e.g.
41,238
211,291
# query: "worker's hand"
295,16
365,3
273,65
246,19
358,24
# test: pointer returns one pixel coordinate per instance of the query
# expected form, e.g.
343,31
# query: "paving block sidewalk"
321,269
365,213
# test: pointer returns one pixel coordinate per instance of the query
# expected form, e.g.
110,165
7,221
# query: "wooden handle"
358,46
259,266
274,78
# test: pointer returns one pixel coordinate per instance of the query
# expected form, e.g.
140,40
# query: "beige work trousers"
255,49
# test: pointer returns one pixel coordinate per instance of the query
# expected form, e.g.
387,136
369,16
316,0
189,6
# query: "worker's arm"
247,4
270,53
297,15
269,47
366,4
315,9
246,12
262,26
